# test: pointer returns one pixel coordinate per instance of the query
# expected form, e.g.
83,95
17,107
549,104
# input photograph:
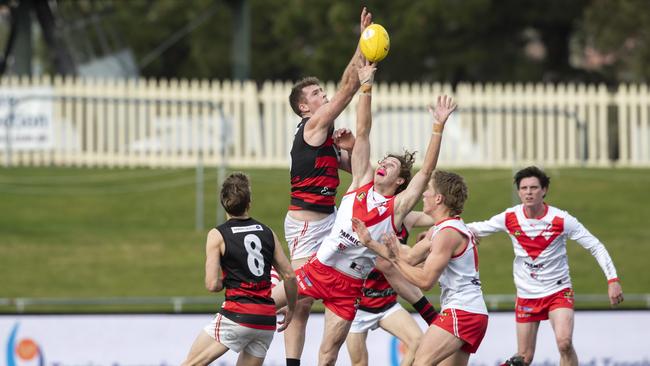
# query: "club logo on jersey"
326,191
568,294
517,233
361,196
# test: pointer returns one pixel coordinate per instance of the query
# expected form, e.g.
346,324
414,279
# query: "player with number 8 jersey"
246,267
238,257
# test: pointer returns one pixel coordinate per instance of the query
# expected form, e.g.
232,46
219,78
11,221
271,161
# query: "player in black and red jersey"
317,152
243,249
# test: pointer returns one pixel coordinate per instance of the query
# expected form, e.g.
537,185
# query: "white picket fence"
173,123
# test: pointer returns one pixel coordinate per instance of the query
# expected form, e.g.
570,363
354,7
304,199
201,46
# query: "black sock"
293,362
426,310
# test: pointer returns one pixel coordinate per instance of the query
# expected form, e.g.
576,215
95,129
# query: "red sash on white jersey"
342,249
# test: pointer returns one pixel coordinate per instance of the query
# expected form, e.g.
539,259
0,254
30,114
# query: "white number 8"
255,259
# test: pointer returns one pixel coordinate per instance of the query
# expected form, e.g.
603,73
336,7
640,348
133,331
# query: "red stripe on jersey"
378,283
246,308
534,246
326,162
260,293
321,181
312,198
217,333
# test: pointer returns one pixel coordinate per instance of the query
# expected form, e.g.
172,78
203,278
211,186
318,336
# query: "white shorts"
305,237
365,321
237,337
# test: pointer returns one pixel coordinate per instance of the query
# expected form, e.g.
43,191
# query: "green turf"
73,232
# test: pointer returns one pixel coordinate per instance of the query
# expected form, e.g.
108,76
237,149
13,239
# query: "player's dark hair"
236,194
453,188
297,96
533,171
406,161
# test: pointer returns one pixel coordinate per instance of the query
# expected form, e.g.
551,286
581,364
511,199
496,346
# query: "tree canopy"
431,40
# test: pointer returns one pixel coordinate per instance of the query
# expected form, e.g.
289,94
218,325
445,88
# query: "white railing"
171,123
179,304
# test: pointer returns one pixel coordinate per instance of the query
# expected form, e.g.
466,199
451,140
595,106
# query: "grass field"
72,232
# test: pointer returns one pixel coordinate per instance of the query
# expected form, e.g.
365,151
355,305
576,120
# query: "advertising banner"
604,338
26,118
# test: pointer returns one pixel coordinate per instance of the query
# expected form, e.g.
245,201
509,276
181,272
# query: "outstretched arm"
360,160
484,228
214,246
418,219
322,120
406,199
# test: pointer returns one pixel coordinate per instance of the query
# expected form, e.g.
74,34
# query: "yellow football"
374,43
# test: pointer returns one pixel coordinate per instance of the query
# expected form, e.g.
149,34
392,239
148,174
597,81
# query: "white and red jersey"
460,283
342,249
541,265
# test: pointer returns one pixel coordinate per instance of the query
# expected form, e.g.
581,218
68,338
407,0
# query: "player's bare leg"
401,325
526,339
435,346
246,359
294,335
204,350
458,358
336,329
356,343
562,322
279,296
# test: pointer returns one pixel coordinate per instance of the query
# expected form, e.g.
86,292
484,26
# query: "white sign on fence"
26,118
604,338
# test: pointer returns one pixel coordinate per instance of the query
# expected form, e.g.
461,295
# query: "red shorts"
340,293
469,327
534,310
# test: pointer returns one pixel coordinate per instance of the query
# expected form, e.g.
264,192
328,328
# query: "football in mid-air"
374,43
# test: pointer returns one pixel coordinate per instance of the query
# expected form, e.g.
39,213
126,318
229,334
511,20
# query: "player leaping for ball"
318,151
381,197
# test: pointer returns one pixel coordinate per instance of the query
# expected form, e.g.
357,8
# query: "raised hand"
343,138
360,228
367,73
444,107
366,19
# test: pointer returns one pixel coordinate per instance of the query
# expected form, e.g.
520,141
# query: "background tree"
431,40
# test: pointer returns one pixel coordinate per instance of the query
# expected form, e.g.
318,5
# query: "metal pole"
8,124
199,194
221,169
199,182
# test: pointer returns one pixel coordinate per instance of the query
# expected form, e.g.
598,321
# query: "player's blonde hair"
453,188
